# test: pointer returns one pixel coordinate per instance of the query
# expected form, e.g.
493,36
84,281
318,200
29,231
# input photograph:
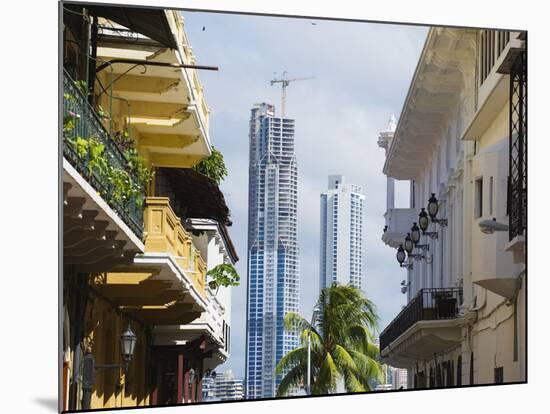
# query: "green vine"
223,275
126,185
213,166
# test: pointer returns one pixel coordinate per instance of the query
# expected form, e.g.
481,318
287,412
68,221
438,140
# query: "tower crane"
284,81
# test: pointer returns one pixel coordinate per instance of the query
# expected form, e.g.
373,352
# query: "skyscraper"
273,266
224,387
341,255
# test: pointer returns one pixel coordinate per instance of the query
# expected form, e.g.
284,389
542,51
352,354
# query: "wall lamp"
401,256
423,221
415,238
433,208
128,341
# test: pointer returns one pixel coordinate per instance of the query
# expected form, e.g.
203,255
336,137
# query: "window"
478,198
499,375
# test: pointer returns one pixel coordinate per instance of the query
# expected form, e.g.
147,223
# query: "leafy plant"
123,140
102,113
341,344
213,166
223,275
82,86
125,184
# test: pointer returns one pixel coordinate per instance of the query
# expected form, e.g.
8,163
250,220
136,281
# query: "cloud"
362,73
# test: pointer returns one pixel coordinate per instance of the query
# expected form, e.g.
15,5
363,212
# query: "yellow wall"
103,329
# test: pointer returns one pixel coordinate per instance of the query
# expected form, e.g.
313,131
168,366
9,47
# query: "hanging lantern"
128,343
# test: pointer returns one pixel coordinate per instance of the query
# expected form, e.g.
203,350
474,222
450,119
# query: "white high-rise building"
341,255
223,387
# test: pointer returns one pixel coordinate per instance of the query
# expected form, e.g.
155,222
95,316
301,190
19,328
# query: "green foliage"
82,86
223,275
213,166
102,113
125,185
341,344
123,140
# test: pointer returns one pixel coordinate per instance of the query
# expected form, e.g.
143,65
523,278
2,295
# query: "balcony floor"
421,341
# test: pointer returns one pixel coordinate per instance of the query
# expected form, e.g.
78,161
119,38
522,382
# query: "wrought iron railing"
427,305
517,182
84,123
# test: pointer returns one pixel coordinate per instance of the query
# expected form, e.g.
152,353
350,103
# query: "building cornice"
445,69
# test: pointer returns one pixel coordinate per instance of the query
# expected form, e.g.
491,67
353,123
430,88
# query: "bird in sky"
203,28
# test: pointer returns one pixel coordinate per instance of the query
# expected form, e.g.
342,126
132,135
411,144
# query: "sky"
361,72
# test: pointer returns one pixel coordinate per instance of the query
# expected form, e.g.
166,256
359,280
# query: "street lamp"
424,222
408,245
415,233
90,369
128,344
400,254
433,208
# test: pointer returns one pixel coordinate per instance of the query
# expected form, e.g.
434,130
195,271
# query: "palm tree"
341,343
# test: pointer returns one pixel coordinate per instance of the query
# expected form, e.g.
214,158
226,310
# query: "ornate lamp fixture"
415,234
401,256
415,238
433,208
128,344
424,222
408,245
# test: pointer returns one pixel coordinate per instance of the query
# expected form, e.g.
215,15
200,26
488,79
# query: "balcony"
82,129
164,234
102,226
399,222
430,323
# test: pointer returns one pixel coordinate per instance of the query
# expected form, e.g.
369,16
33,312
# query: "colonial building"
461,143
141,228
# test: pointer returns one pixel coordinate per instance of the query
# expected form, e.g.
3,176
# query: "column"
390,193
180,378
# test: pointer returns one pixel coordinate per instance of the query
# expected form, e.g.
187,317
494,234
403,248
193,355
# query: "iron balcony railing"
427,305
82,123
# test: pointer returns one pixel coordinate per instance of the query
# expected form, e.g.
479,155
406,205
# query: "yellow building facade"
134,113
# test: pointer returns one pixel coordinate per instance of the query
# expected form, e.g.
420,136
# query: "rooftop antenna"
284,81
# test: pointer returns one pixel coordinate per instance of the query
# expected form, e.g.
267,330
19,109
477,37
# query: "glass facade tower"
273,265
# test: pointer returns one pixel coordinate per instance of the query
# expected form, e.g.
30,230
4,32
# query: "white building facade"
341,246
461,143
223,387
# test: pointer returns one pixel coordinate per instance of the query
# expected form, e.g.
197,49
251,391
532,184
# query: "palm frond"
293,379
292,359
